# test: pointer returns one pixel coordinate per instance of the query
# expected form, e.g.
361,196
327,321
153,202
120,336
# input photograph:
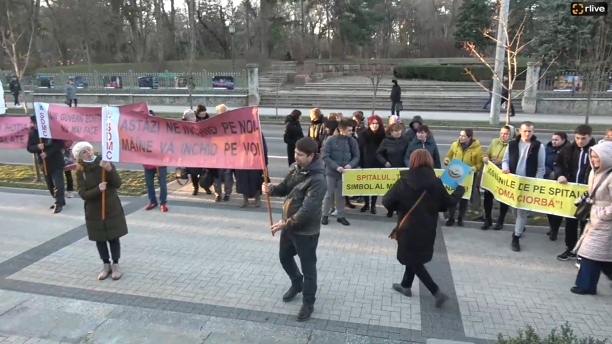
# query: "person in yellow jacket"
494,155
468,150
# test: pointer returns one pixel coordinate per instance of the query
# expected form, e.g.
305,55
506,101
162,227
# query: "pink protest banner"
230,140
14,132
61,122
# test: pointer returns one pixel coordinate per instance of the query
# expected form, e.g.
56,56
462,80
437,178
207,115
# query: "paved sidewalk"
208,272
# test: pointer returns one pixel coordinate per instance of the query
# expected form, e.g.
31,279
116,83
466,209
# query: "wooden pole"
103,195
266,179
40,140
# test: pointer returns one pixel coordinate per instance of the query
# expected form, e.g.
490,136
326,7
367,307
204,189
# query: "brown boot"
258,199
117,273
106,270
245,201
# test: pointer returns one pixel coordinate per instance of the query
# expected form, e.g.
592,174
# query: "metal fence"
570,84
138,83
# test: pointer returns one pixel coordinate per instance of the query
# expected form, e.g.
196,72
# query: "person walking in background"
248,182
572,166
71,96
300,225
418,197
488,85
293,133
49,154
495,155
595,245
468,150
103,228
396,98
162,173
505,93
423,140
369,142
340,152
559,140
15,88
525,157
317,124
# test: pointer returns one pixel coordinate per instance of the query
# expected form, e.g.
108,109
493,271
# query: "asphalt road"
277,154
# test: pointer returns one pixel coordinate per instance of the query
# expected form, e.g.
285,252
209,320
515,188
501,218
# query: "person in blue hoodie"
423,140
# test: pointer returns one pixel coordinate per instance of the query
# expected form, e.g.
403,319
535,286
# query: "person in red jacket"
162,171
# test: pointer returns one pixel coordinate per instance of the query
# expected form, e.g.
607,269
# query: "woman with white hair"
221,108
105,228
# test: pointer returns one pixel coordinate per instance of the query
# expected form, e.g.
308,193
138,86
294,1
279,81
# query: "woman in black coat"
417,235
248,182
369,141
293,132
195,173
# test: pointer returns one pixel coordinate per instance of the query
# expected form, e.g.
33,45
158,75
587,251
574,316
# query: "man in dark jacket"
303,189
340,152
317,124
49,152
573,166
15,89
396,98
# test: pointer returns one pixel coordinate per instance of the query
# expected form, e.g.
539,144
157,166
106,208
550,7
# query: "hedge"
563,336
448,73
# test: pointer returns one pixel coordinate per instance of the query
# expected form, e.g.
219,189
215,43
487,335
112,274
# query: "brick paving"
221,262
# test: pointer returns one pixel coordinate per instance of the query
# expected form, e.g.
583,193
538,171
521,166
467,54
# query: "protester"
71,97
293,133
222,177
423,140
392,120
573,166
317,124
329,129
396,98
418,196
495,155
103,228
50,157
608,136
69,164
414,124
360,128
221,108
559,140
15,88
595,245
248,182
369,141
300,224
468,150
201,114
526,157
392,149
162,173
194,172
340,152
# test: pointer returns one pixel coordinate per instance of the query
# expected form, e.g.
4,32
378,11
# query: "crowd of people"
313,190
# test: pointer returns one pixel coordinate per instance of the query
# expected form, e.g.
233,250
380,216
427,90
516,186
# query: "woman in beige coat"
595,245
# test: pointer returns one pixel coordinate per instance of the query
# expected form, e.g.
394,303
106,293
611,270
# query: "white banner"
41,110
110,134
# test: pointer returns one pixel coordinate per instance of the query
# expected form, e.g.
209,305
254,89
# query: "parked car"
45,81
79,81
148,82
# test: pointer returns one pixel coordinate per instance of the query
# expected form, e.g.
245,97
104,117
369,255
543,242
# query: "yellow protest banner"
377,181
538,195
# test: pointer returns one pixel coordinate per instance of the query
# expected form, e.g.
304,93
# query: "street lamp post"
232,31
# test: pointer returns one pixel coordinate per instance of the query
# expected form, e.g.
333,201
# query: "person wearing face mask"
340,152
468,150
103,228
369,141
559,139
423,140
494,155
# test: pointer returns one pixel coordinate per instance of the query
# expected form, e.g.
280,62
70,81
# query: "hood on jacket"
417,119
604,150
420,178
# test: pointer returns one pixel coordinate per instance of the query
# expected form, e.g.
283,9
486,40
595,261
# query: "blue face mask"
90,161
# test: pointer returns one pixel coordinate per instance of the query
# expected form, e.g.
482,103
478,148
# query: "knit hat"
187,114
78,147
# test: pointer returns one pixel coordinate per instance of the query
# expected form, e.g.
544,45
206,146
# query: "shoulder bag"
393,234
585,202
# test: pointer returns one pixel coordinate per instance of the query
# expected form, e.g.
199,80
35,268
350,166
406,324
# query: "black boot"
460,222
324,220
516,246
348,204
553,235
450,222
365,207
292,293
305,312
487,224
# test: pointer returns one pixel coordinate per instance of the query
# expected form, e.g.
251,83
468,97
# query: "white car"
2,100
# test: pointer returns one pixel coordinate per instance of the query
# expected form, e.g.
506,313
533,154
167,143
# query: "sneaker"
333,212
292,293
163,208
69,194
404,291
580,291
151,206
567,255
117,273
106,270
305,312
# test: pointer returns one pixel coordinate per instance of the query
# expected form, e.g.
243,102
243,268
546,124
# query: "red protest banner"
230,140
14,132
75,123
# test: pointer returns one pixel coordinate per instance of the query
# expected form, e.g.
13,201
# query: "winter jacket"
89,177
339,150
472,155
596,243
70,91
429,144
535,166
416,238
369,142
14,87
53,149
496,150
293,131
304,190
393,150
573,163
315,130
410,131
396,94
551,157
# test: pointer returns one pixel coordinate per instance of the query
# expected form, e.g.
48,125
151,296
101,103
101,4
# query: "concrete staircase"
416,96
276,76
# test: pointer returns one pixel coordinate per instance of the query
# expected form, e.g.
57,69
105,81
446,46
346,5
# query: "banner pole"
103,196
266,178
40,140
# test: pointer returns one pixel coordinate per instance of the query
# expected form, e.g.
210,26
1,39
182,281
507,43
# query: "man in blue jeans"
162,172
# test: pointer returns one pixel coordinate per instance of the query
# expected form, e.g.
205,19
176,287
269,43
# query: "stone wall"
233,100
321,70
574,106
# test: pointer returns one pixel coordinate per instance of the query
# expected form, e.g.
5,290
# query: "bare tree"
192,47
12,36
514,46
376,73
